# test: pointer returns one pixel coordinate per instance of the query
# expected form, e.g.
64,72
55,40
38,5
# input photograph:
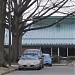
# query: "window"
63,51
71,51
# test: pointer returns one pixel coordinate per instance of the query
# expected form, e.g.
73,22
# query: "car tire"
42,66
39,68
19,68
50,65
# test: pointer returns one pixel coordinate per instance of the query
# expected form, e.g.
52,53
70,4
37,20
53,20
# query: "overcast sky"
64,9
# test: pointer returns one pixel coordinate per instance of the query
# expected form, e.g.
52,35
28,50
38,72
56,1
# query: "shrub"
70,58
56,59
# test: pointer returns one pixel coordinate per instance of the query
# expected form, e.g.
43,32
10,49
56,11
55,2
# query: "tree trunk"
1,45
16,47
2,19
16,38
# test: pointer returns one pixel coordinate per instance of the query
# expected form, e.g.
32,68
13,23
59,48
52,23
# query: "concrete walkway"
4,70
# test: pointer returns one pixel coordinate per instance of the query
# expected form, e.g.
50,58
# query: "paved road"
54,70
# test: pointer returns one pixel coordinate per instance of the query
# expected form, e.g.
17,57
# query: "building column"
67,51
58,56
51,51
58,51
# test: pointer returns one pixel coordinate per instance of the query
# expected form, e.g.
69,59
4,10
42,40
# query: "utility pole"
9,32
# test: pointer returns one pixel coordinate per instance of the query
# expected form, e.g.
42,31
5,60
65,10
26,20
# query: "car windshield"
29,56
46,57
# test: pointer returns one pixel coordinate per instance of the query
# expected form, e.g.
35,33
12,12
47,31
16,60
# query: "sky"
43,2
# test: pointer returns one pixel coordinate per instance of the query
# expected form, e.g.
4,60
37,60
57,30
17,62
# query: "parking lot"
54,70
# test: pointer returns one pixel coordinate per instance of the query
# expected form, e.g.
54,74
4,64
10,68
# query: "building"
56,40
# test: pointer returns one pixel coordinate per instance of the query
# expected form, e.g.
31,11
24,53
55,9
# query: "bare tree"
2,22
24,15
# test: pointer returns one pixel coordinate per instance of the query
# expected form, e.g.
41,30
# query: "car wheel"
39,68
19,68
50,64
42,66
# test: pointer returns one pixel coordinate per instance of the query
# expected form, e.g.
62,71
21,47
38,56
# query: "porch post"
51,51
58,51
67,51
58,55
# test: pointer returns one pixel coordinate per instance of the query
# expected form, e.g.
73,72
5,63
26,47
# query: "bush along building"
57,40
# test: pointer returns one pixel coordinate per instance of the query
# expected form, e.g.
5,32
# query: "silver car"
31,59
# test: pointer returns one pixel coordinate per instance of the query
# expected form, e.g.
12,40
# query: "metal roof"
64,34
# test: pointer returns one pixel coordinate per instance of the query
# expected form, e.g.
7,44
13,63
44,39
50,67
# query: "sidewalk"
59,65
4,70
65,64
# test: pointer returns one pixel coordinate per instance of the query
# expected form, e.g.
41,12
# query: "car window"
39,53
29,56
47,57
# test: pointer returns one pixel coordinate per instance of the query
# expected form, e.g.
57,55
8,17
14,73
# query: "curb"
59,64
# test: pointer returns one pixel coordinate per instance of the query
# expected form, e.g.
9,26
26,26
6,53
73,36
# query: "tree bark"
1,45
16,39
2,20
16,47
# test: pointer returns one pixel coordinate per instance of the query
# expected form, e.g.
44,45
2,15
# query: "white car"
30,59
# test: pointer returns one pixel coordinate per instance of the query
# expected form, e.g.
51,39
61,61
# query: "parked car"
31,58
47,59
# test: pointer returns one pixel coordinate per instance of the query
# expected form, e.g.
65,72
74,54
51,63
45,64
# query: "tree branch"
48,25
42,14
26,6
42,17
